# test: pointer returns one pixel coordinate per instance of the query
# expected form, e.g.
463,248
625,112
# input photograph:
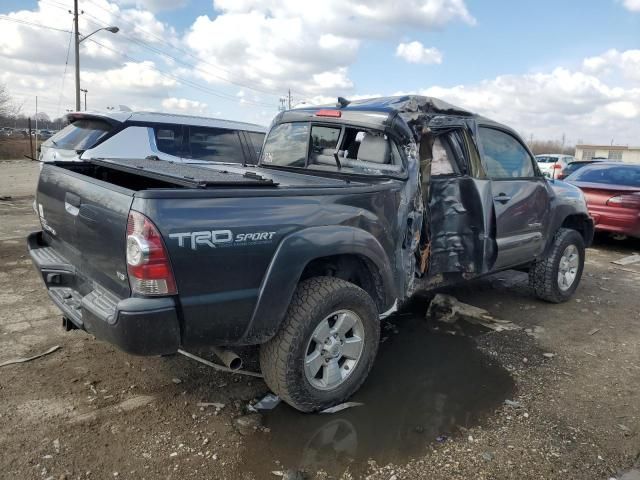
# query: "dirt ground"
555,400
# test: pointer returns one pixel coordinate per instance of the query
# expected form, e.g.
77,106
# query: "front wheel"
325,347
556,277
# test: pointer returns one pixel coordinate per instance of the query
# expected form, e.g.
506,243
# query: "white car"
553,165
179,138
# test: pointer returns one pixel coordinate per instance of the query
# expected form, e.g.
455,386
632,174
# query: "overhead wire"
157,51
64,74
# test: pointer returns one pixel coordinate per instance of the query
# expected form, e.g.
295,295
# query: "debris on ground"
5,197
248,424
548,355
593,331
512,403
268,402
342,406
631,259
216,405
448,309
28,359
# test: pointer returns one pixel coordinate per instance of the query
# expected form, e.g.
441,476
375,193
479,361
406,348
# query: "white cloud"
306,46
415,52
625,63
583,104
155,5
632,5
131,77
184,105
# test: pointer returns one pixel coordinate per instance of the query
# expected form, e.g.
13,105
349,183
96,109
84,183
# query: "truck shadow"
422,389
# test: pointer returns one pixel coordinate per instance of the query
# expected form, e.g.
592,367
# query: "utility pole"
289,96
36,123
76,35
84,90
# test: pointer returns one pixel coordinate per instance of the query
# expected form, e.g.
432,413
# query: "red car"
612,191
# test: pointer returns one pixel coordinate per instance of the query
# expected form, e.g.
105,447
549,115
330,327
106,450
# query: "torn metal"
448,309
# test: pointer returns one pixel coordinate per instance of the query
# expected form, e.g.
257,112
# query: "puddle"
422,386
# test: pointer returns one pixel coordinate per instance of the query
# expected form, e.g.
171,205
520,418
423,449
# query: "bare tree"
8,108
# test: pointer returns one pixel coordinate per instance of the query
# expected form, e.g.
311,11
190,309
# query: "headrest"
374,148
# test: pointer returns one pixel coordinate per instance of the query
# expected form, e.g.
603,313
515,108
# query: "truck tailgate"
86,220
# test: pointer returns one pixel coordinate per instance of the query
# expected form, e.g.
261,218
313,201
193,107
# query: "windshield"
546,159
627,175
80,135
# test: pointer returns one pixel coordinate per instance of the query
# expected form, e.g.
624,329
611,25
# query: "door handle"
502,198
72,203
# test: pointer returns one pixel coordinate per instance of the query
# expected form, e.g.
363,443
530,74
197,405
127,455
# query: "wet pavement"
422,389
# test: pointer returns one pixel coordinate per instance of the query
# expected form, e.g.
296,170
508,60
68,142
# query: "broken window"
504,156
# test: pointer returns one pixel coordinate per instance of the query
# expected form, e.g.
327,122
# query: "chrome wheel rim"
568,267
334,350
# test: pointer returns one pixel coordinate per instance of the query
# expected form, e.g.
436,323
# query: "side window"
504,156
286,145
256,139
214,145
169,139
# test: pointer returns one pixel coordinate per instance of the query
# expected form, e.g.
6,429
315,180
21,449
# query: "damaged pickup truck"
351,210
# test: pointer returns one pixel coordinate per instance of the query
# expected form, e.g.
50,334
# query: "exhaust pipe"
68,324
228,357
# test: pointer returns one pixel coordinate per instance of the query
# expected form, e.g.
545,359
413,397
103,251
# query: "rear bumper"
617,220
141,326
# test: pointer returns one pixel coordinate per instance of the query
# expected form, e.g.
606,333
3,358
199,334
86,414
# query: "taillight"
147,259
626,200
556,166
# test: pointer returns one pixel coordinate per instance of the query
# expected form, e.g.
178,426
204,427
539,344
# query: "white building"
612,152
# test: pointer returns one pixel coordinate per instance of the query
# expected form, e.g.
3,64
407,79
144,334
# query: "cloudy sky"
547,68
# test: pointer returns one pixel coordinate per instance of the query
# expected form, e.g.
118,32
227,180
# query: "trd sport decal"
220,238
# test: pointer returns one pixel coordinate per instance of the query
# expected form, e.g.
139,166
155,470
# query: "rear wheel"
325,347
556,277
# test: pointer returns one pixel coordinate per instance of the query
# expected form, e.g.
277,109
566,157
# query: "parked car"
612,190
554,165
578,164
350,212
178,138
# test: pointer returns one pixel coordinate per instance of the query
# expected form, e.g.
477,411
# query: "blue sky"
545,67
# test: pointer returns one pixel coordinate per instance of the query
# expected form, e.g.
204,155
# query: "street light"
111,29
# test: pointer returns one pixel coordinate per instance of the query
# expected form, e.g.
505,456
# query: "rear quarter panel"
219,285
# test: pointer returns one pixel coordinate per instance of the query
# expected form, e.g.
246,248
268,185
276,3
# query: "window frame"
534,166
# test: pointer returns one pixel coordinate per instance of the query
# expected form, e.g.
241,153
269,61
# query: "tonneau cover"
188,175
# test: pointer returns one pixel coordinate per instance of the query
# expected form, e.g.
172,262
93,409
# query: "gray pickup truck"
352,209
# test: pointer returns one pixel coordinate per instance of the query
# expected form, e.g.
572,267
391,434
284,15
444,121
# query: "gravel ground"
569,378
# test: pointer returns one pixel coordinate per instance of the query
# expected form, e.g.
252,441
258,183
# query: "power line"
96,21
190,83
186,52
64,74
32,24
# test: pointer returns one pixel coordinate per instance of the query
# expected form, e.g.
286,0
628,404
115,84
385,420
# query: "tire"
544,274
284,360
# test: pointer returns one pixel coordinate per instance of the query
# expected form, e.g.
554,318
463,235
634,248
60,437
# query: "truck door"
520,197
459,200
